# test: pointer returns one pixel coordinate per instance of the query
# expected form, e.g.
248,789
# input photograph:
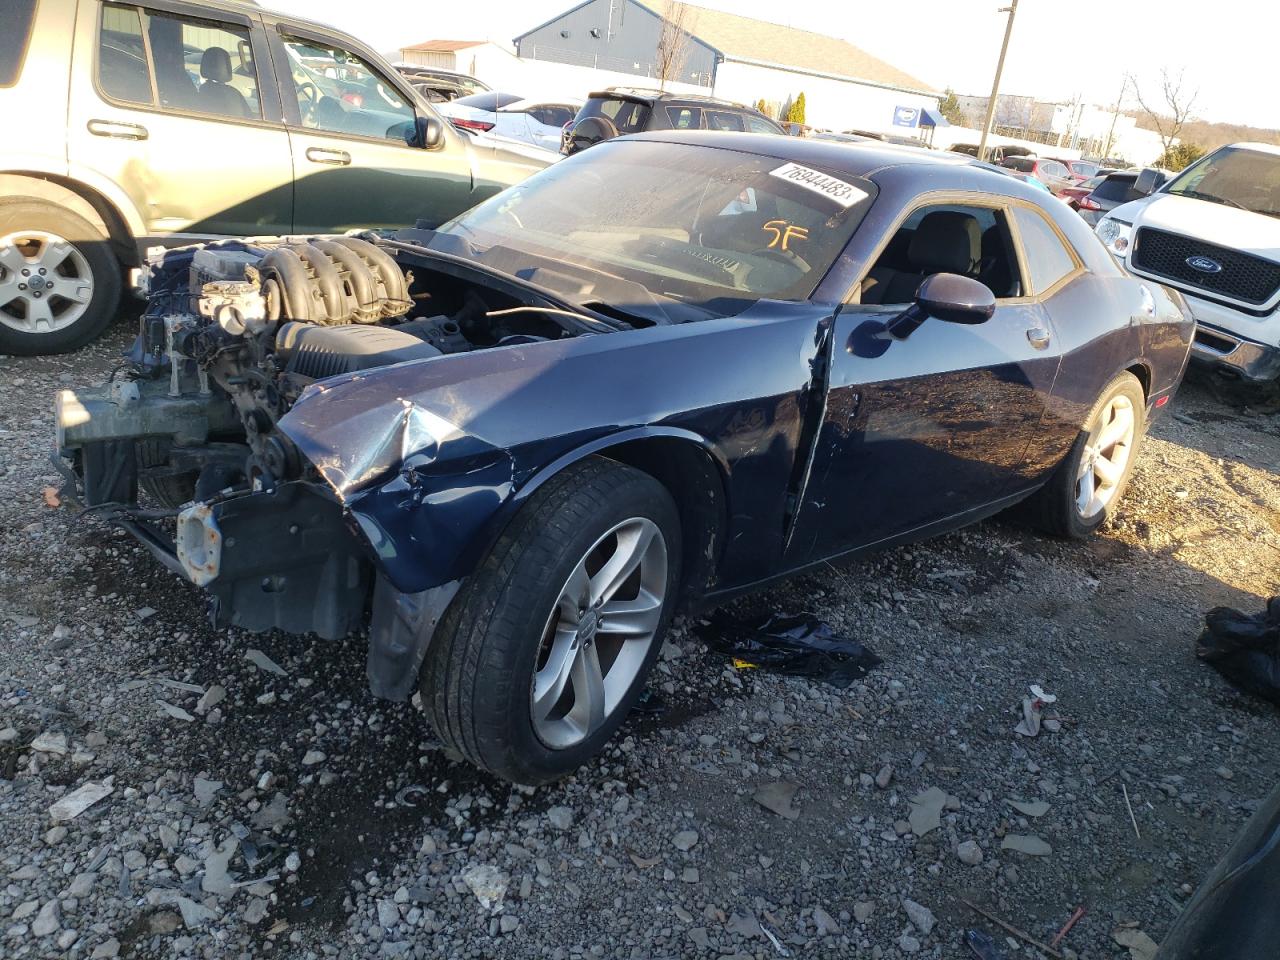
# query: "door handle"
1039,337
337,158
117,130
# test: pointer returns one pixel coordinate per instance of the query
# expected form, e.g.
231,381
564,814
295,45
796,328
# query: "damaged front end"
194,445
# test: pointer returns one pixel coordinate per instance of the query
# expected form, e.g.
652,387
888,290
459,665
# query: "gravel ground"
298,817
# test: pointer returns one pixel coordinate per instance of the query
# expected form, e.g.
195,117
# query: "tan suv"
160,122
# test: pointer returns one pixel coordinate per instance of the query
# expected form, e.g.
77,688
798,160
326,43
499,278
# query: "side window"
198,66
724,121
684,118
945,238
123,73
338,92
552,114
1048,261
756,125
13,39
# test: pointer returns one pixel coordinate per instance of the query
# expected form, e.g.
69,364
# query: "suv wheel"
545,649
59,282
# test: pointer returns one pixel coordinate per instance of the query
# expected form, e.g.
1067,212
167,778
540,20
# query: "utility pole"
1115,115
1012,10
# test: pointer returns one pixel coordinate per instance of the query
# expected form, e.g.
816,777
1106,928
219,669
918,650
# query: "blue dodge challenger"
663,372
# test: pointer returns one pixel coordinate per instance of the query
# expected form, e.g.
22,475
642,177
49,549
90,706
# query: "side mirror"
1147,183
430,132
948,297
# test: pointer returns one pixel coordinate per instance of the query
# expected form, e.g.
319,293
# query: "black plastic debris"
981,944
799,645
1244,648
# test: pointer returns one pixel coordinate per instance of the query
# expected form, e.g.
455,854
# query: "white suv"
1213,232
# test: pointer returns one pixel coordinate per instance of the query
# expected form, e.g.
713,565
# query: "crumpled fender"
390,461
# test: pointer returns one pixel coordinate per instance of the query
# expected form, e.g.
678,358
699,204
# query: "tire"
1055,508
32,233
505,631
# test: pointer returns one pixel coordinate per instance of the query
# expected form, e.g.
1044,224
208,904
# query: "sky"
1059,49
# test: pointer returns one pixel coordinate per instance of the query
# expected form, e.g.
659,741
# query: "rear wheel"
59,282
545,650
1084,491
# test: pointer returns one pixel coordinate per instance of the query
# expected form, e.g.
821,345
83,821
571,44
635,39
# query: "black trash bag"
1244,648
798,645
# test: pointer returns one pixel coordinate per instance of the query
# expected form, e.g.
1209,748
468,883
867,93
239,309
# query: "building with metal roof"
739,58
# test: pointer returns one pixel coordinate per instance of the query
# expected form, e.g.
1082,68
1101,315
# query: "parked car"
1213,232
1073,194
1052,173
900,140
1115,189
664,371
163,126
1078,170
620,110
995,154
441,86
539,122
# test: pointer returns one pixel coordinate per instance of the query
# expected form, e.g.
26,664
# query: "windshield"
1237,177
712,229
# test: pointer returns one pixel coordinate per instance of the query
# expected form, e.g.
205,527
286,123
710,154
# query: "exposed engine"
257,322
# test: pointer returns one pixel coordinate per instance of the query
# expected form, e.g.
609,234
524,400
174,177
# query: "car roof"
853,159
643,95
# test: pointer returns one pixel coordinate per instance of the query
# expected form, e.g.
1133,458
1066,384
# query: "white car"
1213,233
538,122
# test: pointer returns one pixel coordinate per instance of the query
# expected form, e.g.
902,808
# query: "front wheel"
59,281
1084,491
545,650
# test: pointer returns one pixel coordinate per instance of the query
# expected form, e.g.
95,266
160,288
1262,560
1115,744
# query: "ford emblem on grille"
1204,264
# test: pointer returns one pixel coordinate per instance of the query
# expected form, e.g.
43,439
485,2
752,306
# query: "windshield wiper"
1212,198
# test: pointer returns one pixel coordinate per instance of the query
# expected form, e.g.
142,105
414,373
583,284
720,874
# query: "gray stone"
825,923
969,852
1032,846
107,950
921,917
862,910
685,839
195,915
560,817
47,921
884,777
508,923
388,913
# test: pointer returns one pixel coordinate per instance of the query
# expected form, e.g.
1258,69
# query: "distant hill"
1211,135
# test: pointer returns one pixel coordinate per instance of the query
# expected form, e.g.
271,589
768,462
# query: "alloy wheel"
1106,457
599,633
45,282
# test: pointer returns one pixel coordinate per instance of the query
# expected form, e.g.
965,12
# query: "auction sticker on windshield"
833,188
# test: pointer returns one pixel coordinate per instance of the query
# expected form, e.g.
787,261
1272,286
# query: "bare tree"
1172,115
673,42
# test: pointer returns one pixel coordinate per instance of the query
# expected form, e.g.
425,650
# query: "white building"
736,58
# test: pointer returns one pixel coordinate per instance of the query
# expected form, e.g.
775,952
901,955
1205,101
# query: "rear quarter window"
684,118
718,120
14,38
1048,260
